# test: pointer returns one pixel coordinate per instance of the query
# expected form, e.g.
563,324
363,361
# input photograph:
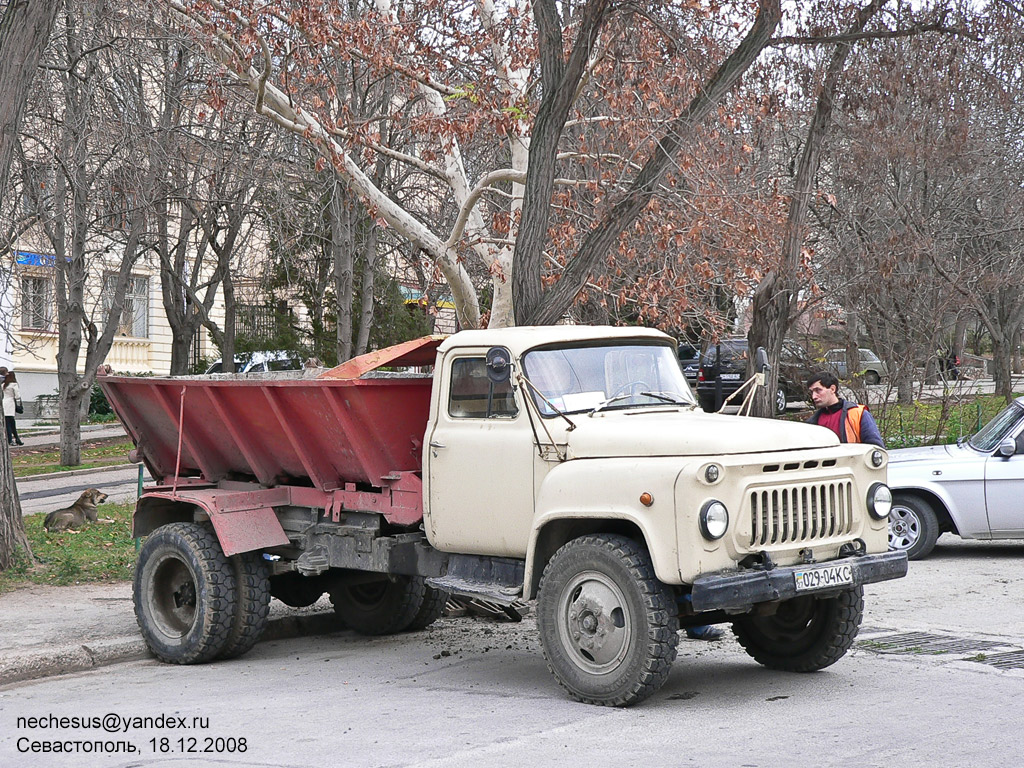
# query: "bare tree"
24,32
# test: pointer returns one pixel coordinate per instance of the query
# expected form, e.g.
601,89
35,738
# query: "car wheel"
805,634
780,400
707,402
872,377
609,629
913,526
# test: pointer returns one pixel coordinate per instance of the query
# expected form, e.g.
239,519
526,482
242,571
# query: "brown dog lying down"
78,514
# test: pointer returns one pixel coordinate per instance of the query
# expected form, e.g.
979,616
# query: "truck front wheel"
805,634
608,627
184,593
382,606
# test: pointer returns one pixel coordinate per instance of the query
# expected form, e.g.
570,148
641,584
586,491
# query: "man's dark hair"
827,379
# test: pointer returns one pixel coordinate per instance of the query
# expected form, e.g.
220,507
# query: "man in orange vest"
853,423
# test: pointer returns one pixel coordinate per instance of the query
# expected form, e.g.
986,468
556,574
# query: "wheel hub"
904,528
595,630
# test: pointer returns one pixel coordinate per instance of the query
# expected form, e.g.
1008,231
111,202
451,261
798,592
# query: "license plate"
730,377
824,577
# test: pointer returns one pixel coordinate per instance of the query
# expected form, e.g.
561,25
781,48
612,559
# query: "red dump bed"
279,430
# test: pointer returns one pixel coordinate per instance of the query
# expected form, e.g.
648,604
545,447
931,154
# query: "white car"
973,488
259,362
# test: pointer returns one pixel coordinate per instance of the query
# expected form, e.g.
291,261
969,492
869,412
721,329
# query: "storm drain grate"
923,642
1008,660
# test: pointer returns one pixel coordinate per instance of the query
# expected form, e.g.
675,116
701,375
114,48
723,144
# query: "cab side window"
473,396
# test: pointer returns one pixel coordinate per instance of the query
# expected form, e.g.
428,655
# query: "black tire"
184,592
707,403
805,634
872,377
252,609
430,611
781,401
380,607
297,590
913,526
608,627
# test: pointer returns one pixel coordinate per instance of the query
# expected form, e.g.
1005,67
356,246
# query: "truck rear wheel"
184,594
380,607
252,608
430,611
297,590
608,627
805,634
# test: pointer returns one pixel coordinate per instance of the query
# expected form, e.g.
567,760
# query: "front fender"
603,495
937,495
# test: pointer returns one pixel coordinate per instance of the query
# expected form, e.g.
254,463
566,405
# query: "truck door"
478,464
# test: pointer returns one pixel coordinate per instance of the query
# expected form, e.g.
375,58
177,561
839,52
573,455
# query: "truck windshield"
996,430
581,378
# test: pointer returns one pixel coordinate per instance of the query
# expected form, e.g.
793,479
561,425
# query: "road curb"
65,659
72,473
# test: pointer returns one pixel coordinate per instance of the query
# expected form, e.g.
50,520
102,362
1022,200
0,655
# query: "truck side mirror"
499,365
1007,448
761,361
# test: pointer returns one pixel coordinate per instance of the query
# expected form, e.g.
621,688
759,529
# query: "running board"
497,579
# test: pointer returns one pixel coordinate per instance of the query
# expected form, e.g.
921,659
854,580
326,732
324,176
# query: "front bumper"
737,592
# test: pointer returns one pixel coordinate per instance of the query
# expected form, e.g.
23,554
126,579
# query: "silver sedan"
974,488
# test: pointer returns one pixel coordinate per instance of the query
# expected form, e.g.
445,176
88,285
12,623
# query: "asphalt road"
469,692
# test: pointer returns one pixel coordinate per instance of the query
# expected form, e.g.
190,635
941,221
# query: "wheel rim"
780,400
173,596
792,622
904,528
595,626
369,595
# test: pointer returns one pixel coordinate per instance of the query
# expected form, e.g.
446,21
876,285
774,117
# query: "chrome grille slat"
796,513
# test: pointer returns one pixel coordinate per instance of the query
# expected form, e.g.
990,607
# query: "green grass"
36,462
925,423
98,552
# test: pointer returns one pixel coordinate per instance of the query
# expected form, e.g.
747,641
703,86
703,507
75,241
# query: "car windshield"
868,356
998,429
581,378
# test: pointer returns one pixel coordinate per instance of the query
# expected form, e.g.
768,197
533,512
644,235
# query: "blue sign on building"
27,259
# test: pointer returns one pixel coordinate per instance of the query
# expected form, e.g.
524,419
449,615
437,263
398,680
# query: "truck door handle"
437,444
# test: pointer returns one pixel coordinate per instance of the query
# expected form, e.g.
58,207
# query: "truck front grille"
796,513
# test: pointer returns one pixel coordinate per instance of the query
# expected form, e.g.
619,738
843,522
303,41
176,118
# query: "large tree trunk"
366,300
24,31
1002,363
12,526
342,247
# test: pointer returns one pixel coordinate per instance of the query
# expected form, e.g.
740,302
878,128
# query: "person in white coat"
11,395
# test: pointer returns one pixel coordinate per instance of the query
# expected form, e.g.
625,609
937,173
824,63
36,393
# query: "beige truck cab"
575,462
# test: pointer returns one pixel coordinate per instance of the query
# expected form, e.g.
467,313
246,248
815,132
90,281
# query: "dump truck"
567,464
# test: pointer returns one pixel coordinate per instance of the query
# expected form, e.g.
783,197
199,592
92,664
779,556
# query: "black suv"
689,361
793,370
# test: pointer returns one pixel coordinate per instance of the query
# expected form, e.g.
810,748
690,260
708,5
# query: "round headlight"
712,474
714,520
879,501
877,457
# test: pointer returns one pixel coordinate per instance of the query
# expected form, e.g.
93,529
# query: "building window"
135,315
36,303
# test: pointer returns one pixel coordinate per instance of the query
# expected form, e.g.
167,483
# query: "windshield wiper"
663,396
